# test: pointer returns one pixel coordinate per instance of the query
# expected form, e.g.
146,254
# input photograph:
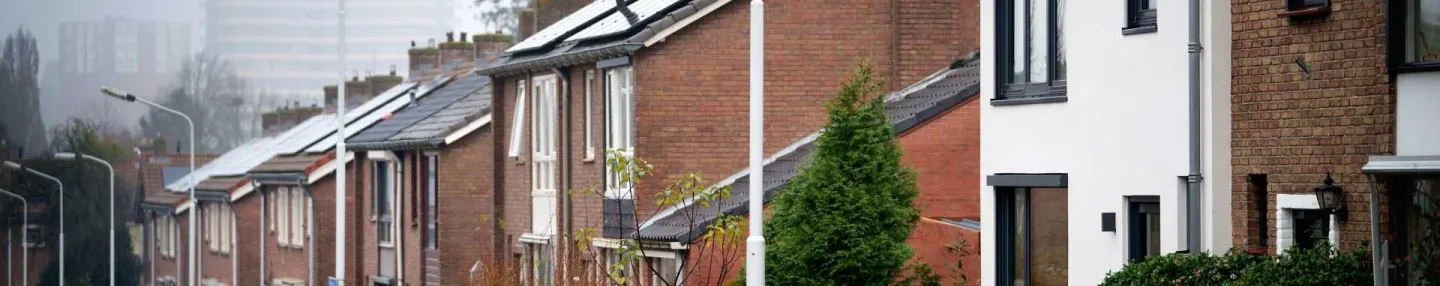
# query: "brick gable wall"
465,205
1294,130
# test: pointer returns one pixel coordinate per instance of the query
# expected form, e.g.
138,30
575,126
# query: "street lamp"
755,244
24,236
73,156
17,167
126,96
1331,198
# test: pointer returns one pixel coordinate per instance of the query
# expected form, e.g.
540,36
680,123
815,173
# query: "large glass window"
1312,226
1033,236
1032,48
619,125
1422,31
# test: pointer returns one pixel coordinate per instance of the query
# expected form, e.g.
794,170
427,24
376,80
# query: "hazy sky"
43,17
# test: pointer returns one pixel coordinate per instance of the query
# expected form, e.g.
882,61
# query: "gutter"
560,60
1194,179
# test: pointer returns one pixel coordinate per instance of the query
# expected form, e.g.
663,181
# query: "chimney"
331,94
490,45
422,58
357,91
528,23
452,50
381,83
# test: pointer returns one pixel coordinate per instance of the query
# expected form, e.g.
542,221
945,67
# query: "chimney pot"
449,36
462,36
412,44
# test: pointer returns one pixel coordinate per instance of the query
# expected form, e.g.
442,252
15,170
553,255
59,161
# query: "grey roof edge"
1401,165
426,143
561,60
282,178
158,208
212,196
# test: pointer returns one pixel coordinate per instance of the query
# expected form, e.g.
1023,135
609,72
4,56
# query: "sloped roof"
301,163
578,47
426,123
907,109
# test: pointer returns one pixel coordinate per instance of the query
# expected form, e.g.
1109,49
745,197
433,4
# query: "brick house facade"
687,84
1291,128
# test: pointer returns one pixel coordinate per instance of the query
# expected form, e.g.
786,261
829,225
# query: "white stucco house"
1086,136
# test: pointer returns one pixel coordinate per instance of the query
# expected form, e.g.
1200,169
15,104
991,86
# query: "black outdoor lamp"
1331,198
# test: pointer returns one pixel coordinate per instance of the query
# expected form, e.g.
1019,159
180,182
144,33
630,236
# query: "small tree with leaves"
845,217
717,241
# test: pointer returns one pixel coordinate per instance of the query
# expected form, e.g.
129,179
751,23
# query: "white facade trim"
454,136
1285,207
663,34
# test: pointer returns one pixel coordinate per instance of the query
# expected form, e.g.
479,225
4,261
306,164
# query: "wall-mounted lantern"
1332,198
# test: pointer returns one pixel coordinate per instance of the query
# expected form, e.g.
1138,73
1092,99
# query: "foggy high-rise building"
136,56
288,47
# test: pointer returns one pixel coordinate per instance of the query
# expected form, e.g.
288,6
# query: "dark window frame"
1396,35
1052,90
1135,220
1261,184
1006,245
1140,18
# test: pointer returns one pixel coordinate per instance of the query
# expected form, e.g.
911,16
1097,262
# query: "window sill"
1138,30
1028,100
1415,67
1306,11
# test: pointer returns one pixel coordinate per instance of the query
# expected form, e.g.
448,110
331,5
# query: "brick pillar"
423,58
331,93
381,83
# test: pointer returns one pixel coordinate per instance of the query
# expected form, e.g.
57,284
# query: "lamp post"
108,167
755,244
116,93
24,237
17,167
340,152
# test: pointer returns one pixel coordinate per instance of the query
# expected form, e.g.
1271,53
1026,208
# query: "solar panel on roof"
616,22
377,101
564,26
325,124
360,124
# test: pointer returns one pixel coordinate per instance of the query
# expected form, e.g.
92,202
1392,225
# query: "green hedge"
1297,267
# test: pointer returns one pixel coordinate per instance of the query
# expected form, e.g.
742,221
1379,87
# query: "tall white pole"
340,154
755,244
61,186
111,169
24,237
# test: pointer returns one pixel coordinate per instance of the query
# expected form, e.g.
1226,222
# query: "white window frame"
1285,207
212,225
282,217
299,205
619,125
544,152
518,122
589,115
387,239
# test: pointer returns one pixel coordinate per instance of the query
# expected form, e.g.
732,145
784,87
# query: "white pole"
132,98
340,154
111,169
755,244
16,166
24,237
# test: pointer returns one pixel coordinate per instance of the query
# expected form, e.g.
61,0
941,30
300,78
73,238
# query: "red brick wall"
39,258
934,33
218,265
408,246
293,262
586,208
692,110
932,241
465,206
945,155
515,178
1295,130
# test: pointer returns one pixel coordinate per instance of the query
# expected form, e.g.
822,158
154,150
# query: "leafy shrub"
1315,266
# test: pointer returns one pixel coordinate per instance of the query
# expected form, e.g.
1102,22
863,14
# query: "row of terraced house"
1084,137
